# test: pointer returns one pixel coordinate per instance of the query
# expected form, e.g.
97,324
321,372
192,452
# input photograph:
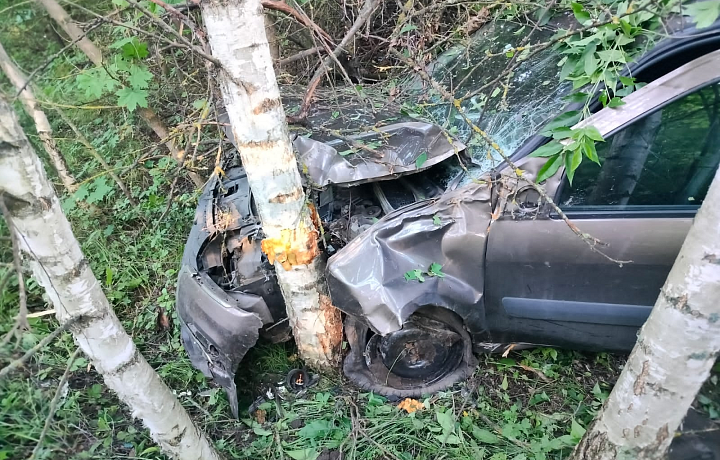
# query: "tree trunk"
59,266
236,31
95,55
675,351
63,19
42,125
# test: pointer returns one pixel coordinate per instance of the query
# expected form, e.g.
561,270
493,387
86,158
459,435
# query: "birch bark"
675,351
236,31
60,267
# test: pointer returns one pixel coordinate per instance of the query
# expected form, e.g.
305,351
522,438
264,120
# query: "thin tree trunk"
56,11
65,22
236,31
42,125
675,351
59,266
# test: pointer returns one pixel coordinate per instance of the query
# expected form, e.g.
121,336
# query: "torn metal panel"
227,293
367,278
388,152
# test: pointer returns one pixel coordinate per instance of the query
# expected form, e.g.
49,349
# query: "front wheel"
430,353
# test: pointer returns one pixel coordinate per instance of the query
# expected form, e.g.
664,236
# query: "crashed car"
439,250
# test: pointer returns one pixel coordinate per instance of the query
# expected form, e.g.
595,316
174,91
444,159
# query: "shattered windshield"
509,106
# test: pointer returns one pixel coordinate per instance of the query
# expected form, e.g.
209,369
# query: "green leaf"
703,13
562,133
615,102
408,28
446,421
139,77
548,150
569,67
576,431
550,168
504,384
484,436
132,97
576,97
572,161
421,159
95,82
588,147
495,92
414,275
347,152
435,269
100,190
260,431
580,14
593,133
627,81
608,56
436,220
303,454
603,98
566,119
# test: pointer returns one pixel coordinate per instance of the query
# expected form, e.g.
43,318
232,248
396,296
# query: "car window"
665,159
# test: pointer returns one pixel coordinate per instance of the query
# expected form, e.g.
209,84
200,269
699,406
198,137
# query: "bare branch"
54,403
40,345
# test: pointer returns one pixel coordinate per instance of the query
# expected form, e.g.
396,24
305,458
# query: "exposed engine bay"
228,295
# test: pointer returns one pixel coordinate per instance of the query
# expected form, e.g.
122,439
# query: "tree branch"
54,403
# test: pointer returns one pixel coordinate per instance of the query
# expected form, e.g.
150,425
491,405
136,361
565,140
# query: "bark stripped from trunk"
675,351
237,37
95,55
59,266
42,125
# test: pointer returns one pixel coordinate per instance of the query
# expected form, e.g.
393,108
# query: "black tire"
357,368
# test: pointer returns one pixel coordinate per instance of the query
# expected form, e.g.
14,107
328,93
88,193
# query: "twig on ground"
301,55
21,322
41,344
54,403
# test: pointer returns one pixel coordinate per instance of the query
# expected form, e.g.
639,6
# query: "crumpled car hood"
403,148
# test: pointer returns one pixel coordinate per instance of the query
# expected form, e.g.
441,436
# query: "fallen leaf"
410,405
260,416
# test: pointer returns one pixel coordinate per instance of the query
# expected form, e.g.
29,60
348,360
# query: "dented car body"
511,270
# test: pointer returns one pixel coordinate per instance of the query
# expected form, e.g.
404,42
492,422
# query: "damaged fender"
367,278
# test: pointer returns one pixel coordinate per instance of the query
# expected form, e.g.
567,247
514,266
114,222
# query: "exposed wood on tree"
42,125
676,349
60,267
236,32
95,55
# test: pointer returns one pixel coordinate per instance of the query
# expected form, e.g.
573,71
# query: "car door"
546,285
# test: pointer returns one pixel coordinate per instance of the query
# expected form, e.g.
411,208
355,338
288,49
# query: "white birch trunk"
236,31
42,125
59,266
674,353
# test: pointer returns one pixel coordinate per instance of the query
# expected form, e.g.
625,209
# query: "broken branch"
361,19
41,344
